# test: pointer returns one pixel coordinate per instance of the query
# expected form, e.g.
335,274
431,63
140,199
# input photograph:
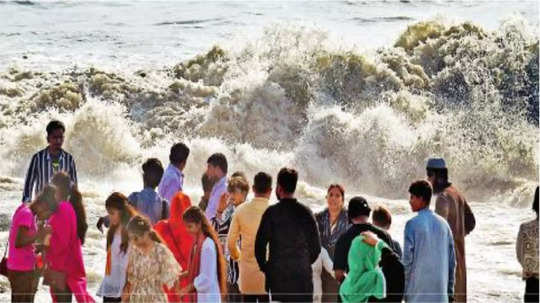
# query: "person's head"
335,198
152,172
420,195
63,184
240,174
196,222
197,225
535,202
66,190
238,188
286,183
216,166
45,203
120,212
178,155
358,210
55,134
382,217
437,174
140,231
119,209
262,185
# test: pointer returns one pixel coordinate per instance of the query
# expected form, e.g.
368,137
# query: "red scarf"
195,264
173,231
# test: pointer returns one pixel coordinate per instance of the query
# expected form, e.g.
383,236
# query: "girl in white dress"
207,267
120,212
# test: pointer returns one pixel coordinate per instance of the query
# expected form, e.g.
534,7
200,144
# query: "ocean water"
354,92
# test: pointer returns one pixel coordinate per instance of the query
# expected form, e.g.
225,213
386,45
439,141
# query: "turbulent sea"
351,92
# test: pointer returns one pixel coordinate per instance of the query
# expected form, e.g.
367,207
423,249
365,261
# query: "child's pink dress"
65,252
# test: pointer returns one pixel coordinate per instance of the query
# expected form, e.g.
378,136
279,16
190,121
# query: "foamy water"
344,91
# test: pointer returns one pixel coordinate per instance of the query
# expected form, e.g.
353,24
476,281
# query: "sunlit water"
321,86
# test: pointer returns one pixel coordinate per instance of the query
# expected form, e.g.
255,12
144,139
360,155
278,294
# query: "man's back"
244,225
289,240
149,203
452,206
248,218
290,230
428,258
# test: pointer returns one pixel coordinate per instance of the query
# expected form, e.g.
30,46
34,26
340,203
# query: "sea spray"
368,120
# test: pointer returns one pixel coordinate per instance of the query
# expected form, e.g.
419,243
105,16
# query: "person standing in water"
173,178
120,212
151,265
428,254
207,271
452,206
289,230
527,254
49,161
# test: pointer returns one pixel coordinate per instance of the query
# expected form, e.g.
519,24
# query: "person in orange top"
173,231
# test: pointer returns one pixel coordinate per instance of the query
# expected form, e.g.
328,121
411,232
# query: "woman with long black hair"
120,212
207,267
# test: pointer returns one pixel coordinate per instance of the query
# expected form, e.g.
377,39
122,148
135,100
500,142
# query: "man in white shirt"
217,170
173,178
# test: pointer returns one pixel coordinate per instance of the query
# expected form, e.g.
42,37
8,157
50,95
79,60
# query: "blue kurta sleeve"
408,252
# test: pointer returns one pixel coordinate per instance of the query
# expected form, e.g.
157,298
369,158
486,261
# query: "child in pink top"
22,259
65,253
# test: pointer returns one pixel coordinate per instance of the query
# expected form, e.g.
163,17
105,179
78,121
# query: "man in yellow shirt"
245,223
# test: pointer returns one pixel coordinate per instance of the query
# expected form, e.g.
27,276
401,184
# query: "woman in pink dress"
64,254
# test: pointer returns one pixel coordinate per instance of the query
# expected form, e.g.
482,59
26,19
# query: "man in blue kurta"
428,255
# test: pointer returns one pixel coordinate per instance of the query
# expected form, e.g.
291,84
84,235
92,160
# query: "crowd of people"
163,248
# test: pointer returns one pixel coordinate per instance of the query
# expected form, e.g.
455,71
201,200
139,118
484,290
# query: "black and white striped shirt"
222,225
41,171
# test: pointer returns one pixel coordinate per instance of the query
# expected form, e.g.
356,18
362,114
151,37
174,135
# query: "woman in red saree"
176,237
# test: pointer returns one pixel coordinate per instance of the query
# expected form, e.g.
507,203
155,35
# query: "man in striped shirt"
49,161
